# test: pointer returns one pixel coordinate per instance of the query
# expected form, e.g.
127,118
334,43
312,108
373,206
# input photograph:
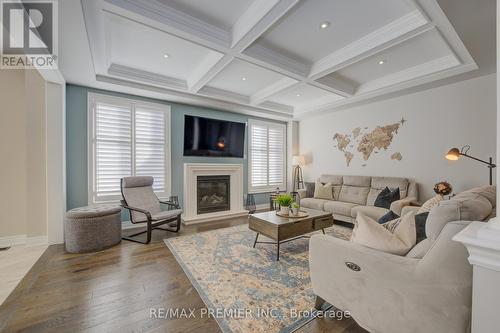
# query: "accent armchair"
145,207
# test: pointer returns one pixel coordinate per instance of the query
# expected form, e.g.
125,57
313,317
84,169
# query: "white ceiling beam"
264,94
184,97
147,77
206,71
172,21
335,85
257,19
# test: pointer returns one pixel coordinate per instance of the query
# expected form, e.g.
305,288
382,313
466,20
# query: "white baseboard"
37,240
23,240
12,240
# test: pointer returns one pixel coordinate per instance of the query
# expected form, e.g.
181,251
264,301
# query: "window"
267,151
127,138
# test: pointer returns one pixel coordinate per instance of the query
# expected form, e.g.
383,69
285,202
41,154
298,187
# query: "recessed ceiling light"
324,25
166,56
243,78
381,62
298,95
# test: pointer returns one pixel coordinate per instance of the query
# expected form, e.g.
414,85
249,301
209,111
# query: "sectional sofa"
354,194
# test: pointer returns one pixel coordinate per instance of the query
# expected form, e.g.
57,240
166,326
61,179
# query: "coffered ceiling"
283,58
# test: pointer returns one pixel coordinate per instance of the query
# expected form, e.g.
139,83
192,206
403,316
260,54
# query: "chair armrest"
397,206
171,204
336,283
139,210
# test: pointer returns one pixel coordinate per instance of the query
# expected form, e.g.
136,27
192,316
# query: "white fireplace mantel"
483,243
191,173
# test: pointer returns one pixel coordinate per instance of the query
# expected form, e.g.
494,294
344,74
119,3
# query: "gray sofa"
428,290
354,194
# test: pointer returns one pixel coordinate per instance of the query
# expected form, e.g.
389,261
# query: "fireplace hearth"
213,194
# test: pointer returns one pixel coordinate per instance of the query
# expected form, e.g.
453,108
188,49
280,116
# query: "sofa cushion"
323,191
370,211
487,191
339,207
361,181
334,179
397,238
466,206
310,189
354,194
379,183
313,203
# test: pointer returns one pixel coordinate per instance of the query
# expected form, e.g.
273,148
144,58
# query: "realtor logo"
29,34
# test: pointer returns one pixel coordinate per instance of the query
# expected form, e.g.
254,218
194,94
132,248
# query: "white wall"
437,119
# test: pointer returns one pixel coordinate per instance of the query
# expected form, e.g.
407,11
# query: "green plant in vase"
284,200
295,207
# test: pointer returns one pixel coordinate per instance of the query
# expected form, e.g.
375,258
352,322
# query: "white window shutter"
150,146
258,156
127,138
267,149
113,142
276,156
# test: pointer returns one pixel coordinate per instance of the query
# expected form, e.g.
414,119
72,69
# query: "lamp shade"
298,160
453,154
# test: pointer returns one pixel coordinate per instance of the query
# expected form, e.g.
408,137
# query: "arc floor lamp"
455,153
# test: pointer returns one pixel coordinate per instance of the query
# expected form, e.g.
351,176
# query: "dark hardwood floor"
113,290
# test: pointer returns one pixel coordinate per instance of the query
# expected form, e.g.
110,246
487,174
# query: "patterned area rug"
245,288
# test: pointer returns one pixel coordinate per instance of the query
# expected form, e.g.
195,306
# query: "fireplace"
213,194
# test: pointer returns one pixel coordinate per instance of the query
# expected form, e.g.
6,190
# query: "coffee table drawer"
298,228
322,222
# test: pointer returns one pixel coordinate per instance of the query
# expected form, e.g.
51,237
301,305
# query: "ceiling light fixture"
243,78
166,56
381,62
298,95
324,25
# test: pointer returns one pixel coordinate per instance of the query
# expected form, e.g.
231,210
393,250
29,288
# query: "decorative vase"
295,211
284,210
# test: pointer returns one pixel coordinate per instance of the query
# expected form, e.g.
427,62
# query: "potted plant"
284,200
295,209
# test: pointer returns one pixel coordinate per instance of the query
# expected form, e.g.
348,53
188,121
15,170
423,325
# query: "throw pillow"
370,233
420,220
386,197
389,216
429,204
323,191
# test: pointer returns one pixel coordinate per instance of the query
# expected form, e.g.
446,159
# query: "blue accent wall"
76,143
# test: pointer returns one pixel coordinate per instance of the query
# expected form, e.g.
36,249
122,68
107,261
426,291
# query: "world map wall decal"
368,142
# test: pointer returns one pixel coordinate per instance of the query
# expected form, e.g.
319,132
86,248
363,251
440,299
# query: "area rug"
244,288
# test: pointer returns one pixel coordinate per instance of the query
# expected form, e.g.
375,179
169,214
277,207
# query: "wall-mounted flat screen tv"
212,137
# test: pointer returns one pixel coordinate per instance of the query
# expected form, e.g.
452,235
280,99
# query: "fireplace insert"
213,194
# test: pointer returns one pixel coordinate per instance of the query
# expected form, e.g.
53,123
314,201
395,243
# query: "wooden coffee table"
284,229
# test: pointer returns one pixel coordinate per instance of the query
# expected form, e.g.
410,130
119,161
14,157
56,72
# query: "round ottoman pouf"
92,228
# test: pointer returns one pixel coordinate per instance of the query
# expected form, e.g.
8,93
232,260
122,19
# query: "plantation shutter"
113,148
267,156
128,138
150,146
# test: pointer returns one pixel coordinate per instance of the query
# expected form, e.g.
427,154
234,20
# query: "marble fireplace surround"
191,173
